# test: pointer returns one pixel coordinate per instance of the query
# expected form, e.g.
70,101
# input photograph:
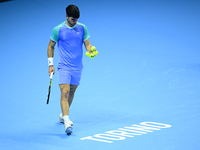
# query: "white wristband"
50,61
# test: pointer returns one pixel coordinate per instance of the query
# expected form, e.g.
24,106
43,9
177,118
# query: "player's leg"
75,81
71,93
67,93
70,99
64,88
64,80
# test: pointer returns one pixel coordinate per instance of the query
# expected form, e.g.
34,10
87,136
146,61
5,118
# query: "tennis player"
69,36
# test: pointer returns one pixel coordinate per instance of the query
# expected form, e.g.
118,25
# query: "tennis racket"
48,96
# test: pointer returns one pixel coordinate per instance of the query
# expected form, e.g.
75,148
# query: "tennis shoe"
68,128
62,120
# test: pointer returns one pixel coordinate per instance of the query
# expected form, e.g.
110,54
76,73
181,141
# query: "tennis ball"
95,52
93,48
87,54
92,55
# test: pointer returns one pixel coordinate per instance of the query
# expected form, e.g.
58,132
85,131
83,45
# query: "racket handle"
51,76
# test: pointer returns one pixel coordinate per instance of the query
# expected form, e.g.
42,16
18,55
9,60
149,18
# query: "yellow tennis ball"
92,55
93,48
95,52
87,54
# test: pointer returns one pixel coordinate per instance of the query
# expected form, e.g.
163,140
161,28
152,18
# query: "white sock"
66,118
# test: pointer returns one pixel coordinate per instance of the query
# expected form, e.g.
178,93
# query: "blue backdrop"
147,70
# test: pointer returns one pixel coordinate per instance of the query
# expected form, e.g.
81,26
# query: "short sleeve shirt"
70,45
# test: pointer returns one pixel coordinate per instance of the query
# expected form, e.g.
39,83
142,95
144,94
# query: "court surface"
140,93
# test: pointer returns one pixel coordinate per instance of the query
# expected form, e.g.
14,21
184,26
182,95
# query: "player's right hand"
51,69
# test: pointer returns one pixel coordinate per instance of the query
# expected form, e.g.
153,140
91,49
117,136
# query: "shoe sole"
69,130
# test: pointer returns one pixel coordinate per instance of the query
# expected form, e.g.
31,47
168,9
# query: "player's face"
71,21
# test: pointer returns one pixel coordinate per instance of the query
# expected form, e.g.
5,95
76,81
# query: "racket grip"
51,76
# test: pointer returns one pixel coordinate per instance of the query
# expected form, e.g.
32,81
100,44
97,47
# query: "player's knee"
65,93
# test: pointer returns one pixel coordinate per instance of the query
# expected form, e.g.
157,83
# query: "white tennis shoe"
68,128
62,120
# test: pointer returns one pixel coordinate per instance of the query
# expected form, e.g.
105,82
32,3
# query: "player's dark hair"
72,11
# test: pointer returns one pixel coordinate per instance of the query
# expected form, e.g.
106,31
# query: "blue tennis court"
140,93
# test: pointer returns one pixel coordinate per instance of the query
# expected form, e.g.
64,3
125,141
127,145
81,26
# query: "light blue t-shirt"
70,45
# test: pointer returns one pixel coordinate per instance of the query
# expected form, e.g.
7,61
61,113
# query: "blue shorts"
69,77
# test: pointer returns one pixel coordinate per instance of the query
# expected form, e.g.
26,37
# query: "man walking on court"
69,36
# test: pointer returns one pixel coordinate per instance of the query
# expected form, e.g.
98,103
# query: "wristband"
50,61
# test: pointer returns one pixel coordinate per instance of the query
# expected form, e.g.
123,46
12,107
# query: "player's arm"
87,45
50,51
50,54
